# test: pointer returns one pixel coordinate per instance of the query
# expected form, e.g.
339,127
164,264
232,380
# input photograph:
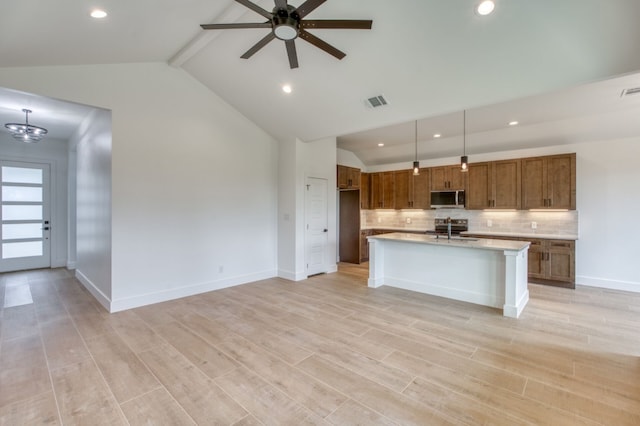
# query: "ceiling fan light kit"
26,132
286,23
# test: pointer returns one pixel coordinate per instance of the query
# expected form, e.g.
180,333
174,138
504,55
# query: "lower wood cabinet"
553,263
550,262
364,245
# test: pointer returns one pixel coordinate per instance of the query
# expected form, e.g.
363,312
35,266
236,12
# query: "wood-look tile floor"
327,350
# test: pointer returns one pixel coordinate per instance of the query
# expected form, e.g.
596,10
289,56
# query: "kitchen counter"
396,229
476,243
531,235
489,272
488,234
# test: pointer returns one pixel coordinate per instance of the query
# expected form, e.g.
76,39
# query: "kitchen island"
487,272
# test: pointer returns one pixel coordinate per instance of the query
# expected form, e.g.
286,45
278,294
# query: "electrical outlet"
408,220
489,223
220,269
379,220
534,225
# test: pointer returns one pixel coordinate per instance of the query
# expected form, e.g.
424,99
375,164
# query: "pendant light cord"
416,140
464,132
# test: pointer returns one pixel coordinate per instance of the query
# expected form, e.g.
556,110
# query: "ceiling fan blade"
291,52
256,8
281,4
350,24
308,6
308,37
259,45
238,25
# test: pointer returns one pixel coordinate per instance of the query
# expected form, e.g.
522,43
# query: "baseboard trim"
94,290
608,284
118,305
291,276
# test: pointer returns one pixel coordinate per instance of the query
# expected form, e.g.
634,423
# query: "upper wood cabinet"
365,191
412,192
494,185
348,177
549,182
422,190
447,177
382,190
403,180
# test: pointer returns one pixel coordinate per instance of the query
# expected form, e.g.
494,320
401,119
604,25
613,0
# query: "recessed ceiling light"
287,88
485,7
380,144
437,135
513,123
98,14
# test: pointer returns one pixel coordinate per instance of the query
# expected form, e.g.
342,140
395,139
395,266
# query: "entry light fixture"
464,161
26,132
416,163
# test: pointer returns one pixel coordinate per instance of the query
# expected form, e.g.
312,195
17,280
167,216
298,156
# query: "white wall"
299,160
194,188
52,152
92,258
288,216
318,159
348,158
608,198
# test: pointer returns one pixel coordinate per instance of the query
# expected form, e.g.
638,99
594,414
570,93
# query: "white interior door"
25,231
316,234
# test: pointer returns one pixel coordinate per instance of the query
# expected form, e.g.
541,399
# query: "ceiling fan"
286,23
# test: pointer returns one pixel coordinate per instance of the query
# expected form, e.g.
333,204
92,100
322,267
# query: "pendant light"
464,161
416,164
26,132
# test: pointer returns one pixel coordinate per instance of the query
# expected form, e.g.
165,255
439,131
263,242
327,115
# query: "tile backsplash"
554,223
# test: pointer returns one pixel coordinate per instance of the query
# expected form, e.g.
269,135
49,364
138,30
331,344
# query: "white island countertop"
487,272
475,243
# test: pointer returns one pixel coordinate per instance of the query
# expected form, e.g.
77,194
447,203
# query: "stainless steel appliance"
457,226
447,199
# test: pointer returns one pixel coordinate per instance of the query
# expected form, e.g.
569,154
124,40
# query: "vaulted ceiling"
430,59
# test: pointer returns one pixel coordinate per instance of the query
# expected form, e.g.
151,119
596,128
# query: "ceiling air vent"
628,92
376,101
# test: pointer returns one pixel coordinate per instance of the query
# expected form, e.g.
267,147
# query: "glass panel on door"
24,216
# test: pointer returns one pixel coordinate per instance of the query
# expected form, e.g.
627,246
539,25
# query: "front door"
24,216
316,233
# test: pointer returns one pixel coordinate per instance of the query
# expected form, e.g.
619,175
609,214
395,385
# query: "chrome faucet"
448,228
